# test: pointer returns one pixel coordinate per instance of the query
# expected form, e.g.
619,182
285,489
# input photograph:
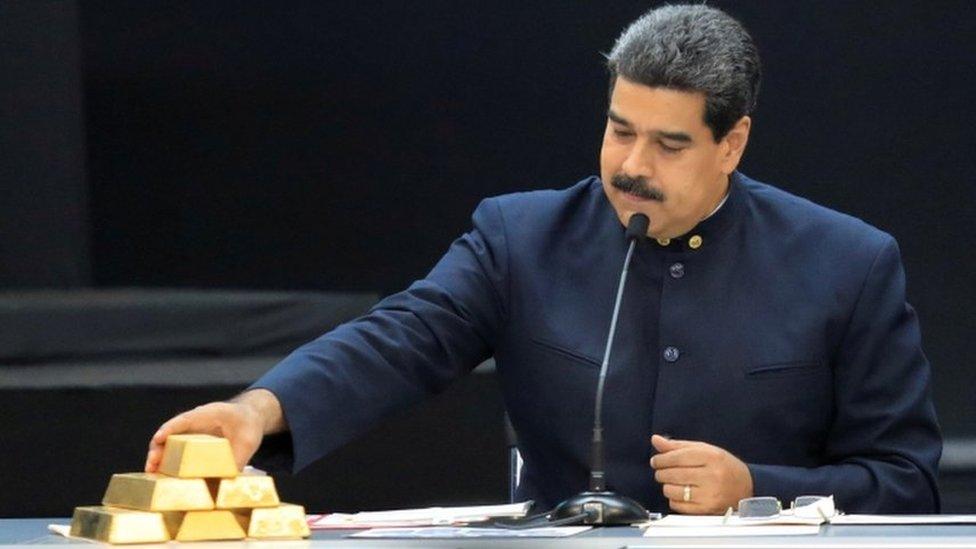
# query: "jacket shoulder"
540,209
550,201
807,221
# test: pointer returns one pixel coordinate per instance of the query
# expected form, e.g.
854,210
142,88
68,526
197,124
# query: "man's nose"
639,161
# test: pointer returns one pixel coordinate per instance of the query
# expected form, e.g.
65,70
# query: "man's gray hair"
692,48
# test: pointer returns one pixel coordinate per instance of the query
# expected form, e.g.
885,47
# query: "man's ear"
734,145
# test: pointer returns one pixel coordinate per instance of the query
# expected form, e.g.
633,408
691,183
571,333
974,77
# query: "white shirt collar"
720,204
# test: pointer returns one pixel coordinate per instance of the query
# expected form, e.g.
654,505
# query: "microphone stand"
599,506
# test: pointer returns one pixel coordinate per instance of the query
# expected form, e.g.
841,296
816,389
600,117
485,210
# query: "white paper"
730,531
703,521
65,530
430,516
446,532
904,519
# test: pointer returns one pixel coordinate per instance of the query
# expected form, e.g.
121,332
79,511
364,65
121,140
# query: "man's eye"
671,150
623,133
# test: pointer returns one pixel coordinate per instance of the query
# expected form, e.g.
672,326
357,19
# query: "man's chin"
625,215
655,229
626,210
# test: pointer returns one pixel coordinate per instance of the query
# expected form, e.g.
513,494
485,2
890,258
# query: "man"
763,341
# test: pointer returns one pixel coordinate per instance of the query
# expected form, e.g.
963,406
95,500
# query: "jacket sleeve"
410,345
882,452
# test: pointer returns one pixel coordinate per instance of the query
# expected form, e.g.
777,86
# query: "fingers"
233,421
718,480
676,500
243,446
204,419
700,501
690,508
662,444
680,475
153,457
678,453
676,493
691,456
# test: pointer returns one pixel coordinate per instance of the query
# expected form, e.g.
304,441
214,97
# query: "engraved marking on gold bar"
203,525
115,525
152,492
198,456
287,521
244,492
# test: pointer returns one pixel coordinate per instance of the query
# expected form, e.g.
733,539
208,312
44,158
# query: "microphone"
599,506
637,228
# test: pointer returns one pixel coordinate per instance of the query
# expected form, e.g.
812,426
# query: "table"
34,531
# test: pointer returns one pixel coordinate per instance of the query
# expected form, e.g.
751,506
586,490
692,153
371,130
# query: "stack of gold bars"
197,495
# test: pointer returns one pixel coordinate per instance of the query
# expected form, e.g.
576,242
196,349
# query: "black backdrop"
342,145
44,233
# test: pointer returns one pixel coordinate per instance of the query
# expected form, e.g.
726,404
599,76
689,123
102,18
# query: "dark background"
342,145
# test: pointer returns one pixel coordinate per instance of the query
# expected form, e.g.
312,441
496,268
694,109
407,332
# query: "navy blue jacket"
784,338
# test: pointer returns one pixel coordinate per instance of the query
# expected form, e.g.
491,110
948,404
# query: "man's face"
660,159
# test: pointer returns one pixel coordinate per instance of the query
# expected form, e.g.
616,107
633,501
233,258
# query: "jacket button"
677,270
671,354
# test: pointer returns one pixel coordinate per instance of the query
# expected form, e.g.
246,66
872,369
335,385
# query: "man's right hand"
243,421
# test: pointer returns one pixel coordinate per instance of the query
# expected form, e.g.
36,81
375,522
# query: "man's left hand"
712,478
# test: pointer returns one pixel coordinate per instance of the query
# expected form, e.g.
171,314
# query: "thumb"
242,455
662,444
244,445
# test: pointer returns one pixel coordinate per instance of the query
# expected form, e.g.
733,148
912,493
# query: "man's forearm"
861,486
265,404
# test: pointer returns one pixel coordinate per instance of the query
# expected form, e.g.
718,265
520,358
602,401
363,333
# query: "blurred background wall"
310,145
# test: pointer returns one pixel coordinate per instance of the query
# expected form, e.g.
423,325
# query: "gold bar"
287,521
203,525
152,492
244,492
198,456
114,525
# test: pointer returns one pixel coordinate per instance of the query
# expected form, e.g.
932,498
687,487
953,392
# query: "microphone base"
601,508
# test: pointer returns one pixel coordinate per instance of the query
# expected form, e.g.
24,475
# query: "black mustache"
636,186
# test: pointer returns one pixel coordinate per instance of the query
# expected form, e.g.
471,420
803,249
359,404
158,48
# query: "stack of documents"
431,516
452,532
706,526
780,525
903,519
